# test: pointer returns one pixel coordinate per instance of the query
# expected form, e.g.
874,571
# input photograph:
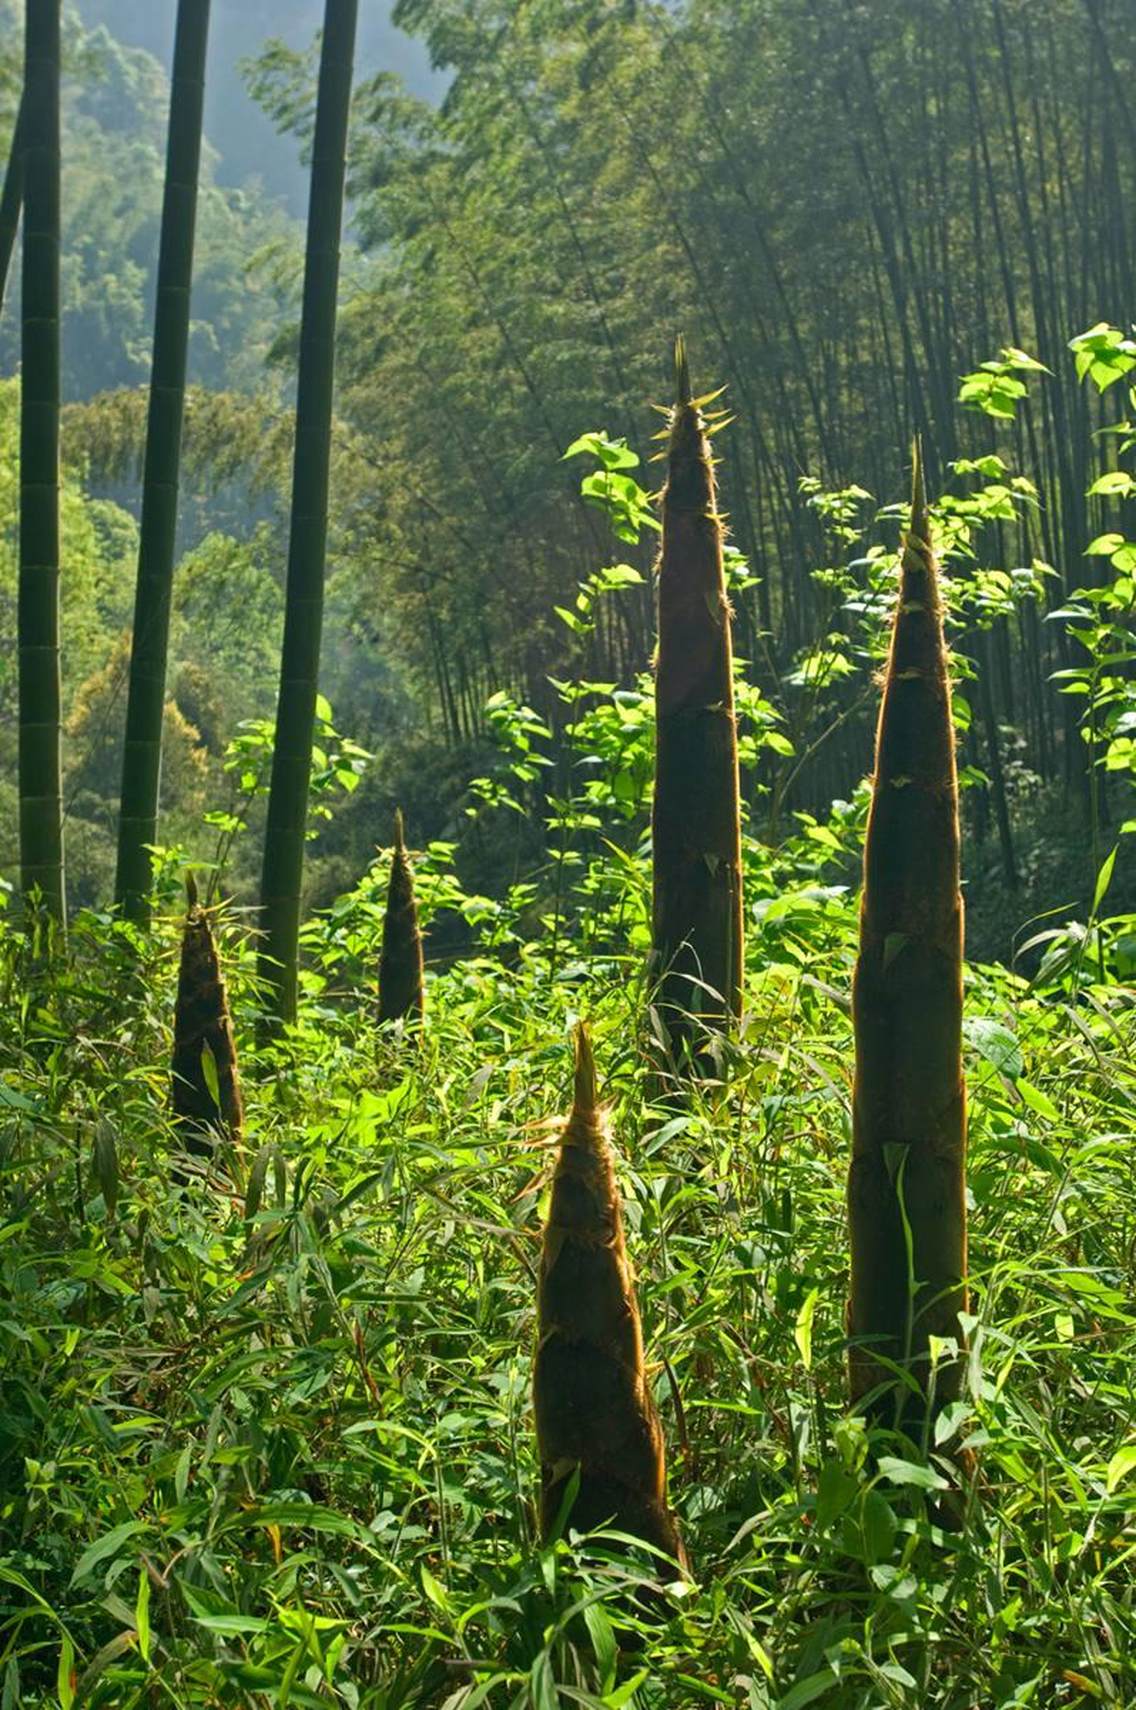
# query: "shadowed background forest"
847,208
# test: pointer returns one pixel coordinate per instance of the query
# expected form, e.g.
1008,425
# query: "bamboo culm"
146,696
40,758
697,945
401,992
283,865
595,1416
907,1184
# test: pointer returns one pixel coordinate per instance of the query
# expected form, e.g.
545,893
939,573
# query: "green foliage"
1102,619
98,541
269,1438
619,495
996,388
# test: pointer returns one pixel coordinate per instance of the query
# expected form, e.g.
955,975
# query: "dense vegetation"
339,1364
278,1426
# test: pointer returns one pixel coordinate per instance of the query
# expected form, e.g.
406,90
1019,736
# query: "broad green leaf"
181,1472
16,1101
807,1691
1114,483
233,1623
311,1516
434,1590
1121,1464
602,1634
1039,1101
254,1191
1021,359
994,1041
836,1489
911,1473
542,1685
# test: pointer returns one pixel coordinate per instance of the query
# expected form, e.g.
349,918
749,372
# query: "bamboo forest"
568,854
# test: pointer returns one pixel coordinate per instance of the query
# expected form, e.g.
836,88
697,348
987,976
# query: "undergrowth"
267,1439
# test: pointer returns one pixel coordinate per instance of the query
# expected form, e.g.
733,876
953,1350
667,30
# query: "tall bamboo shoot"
205,1087
400,964
907,1185
595,1415
696,825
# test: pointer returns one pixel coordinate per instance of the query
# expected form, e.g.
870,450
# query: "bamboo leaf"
997,1044
65,1673
142,1612
803,1329
911,1473
542,1685
104,1547
1104,878
623,1695
805,1691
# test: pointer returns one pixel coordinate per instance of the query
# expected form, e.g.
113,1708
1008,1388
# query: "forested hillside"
568,854
245,138
115,112
594,180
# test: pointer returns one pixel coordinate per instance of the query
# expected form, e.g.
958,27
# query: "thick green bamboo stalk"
142,750
282,871
40,766
907,1185
696,826
11,200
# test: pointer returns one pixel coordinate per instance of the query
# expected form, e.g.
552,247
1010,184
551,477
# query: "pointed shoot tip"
584,1096
920,522
683,390
399,834
190,892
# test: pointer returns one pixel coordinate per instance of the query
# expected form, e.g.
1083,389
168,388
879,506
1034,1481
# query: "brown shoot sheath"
696,823
594,1409
401,990
909,1108
203,1030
